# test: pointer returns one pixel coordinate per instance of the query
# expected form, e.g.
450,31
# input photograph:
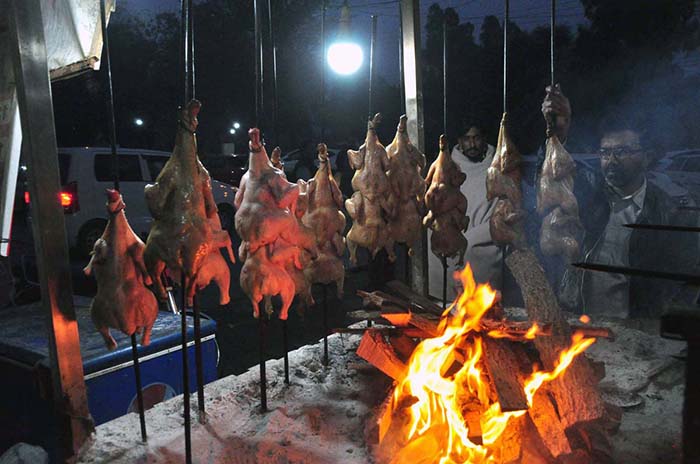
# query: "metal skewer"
115,176
687,278
285,345
325,325
185,372
665,227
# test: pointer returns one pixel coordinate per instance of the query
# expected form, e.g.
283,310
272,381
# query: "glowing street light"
138,122
236,125
232,130
344,57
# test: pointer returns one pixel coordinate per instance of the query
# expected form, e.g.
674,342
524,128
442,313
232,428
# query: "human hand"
556,110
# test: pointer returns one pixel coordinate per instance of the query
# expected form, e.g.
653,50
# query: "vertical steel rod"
263,375
551,41
110,95
444,76
139,391
323,70
184,25
325,325
27,49
372,52
444,282
185,372
274,70
258,63
190,43
401,70
505,54
199,361
285,346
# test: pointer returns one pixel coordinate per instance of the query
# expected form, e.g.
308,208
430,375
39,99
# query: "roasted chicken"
122,301
557,203
407,185
327,221
276,247
275,158
446,205
184,233
372,203
503,183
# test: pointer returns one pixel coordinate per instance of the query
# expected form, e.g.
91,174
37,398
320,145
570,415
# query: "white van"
87,171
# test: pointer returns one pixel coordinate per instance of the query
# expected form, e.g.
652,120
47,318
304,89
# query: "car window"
676,164
129,168
692,164
64,166
155,164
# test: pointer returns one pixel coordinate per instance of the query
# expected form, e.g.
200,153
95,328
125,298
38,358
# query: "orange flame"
444,376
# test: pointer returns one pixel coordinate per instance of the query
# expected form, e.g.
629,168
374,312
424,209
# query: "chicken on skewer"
407,185
122,301
446,205
372,203
182,205
503,183
325,218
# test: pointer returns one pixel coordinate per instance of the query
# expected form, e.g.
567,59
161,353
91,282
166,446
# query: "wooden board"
399,288
577,397
503,360
378,352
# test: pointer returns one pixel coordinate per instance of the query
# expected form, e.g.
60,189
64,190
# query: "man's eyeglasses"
619,152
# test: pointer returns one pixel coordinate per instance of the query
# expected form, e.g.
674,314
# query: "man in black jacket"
620,194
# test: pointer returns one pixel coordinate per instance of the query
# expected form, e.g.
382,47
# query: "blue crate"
25,409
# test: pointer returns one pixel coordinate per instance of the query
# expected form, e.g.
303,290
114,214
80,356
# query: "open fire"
444,409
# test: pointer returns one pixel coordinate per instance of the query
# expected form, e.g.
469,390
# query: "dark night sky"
528,14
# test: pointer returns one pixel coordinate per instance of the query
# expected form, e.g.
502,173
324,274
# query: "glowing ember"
584,319
443,397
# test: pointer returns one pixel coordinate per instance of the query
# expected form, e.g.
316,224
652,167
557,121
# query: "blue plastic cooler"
25,407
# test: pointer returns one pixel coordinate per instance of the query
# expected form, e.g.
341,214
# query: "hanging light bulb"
344,56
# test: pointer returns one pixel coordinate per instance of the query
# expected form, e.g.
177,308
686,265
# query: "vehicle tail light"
26,197
69,198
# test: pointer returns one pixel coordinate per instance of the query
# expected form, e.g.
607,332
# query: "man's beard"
475,153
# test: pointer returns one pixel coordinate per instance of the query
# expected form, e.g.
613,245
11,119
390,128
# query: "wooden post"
413,87
28,48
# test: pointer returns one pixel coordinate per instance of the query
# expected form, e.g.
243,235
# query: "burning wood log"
503,362
577,397
378,352
551,429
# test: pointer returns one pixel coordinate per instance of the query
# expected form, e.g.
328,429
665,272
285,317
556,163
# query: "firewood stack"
567,421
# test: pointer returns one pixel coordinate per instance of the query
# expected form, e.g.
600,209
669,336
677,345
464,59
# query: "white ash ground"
321,417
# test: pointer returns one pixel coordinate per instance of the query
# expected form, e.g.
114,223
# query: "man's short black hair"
469,124
622,121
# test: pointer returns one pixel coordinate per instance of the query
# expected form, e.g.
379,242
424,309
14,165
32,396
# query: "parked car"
86,173
227,168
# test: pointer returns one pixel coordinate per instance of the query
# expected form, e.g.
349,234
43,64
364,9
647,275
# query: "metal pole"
372,51
28,50
110,95
505,53
325,325
184,23
551,41
190,43
185,372
274,70
258,63
444,282
263,376
139,390
198,360
401,70
444,76
285,344
323,70
413,86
